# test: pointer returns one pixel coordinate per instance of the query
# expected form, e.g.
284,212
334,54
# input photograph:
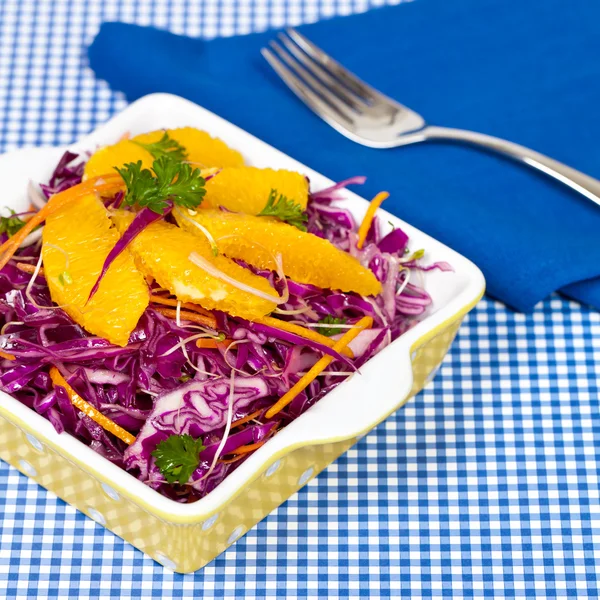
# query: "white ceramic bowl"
350,410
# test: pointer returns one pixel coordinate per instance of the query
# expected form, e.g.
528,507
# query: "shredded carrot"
7,355
212,343
97,184
247,418
184,315
363,230
248,448
88,409
174,302
252,447
320,365
27,268
207,343
228,461
302,332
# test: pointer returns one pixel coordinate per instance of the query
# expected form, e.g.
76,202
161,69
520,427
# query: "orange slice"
306,258
247,189
162,251
76,240
202,150
106,159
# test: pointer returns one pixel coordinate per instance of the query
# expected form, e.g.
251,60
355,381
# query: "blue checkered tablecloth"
486,485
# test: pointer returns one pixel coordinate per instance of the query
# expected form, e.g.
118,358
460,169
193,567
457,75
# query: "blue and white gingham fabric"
484,486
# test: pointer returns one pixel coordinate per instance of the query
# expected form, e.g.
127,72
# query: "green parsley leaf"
329,320
285,210
177,457
11,225
166,146
177,181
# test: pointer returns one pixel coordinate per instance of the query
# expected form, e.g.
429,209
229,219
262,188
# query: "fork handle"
580,182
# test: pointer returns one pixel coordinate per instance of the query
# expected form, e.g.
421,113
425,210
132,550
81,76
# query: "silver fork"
365,115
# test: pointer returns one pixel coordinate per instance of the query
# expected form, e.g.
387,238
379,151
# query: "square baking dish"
185,537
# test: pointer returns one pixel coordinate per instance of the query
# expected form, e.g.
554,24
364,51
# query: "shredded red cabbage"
161,383
68,172
141,220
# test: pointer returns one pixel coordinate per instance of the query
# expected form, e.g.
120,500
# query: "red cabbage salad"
174,322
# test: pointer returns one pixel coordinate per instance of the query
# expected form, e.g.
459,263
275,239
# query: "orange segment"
106,159
81,234
162,250
306,257
106,184
247,189
202,148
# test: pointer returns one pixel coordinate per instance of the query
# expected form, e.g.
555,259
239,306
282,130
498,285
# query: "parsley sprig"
285,210
11,225
329,320
177,457
166,146
171,180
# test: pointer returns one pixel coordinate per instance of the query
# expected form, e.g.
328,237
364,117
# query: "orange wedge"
76,240
202,150
162,251
306,258
106,159
247,189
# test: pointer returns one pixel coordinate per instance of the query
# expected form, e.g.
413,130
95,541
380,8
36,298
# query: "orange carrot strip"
247,418
319,366
184,315
89,410
207,343
212,343
97,184
173,302
369,216
248,448
252,447
7,355
228,461
302,332
27,268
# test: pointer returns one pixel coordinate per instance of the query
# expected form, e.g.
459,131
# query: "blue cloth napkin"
528,72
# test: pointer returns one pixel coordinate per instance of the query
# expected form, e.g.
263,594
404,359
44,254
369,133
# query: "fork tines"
327,87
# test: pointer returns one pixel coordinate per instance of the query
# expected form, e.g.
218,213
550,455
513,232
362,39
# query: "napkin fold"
528,72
